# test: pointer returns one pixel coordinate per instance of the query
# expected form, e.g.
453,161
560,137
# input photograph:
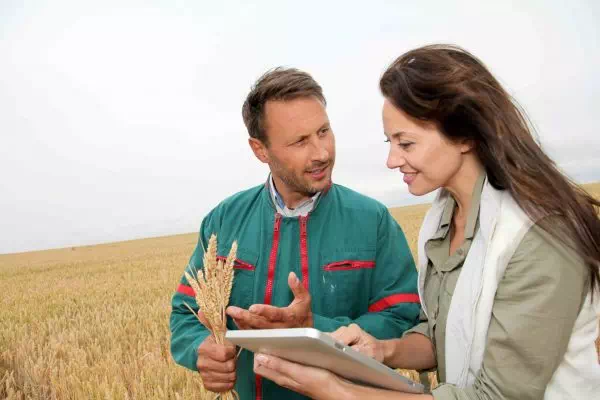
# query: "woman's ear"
466,145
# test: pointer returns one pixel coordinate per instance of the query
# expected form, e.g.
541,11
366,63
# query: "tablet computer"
312,347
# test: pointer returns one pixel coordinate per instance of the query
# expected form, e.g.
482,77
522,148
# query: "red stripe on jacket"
304,251
269,288
185,289
392,300
348,265
238,264
258,381
272,260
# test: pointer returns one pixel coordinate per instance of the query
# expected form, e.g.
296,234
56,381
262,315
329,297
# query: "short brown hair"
277,84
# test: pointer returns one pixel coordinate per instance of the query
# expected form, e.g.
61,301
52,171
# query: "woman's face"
427,159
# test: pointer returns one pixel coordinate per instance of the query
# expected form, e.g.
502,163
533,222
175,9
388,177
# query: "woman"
509,253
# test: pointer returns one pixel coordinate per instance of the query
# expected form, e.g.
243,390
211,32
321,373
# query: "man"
310,253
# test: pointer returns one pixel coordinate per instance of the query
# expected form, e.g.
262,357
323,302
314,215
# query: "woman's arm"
413,351
536,305
320,384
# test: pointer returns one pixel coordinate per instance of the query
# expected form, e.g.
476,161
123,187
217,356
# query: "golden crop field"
92,322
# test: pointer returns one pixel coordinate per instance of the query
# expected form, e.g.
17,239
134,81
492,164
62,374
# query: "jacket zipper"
304,251
269,288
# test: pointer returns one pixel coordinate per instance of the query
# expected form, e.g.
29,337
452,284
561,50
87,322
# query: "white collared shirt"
301,211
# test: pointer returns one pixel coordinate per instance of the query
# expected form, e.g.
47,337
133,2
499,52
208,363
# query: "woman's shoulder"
542,256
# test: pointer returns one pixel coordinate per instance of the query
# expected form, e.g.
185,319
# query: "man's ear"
259,149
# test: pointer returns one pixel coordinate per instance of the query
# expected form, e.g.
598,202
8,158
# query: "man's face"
301,150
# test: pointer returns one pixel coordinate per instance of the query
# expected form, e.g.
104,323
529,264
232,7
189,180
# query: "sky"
122,119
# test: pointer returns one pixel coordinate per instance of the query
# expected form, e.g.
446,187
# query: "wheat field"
91,322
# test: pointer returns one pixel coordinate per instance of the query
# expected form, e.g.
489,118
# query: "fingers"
233,311
357,339
298,289
277,370
245,319
216,365
348,335
222,352
239,316
210,366
309,381
263,316
221,377
269,313
366,350
217,387
217,352
241,324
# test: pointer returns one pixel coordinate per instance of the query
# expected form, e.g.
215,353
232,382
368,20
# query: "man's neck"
290,198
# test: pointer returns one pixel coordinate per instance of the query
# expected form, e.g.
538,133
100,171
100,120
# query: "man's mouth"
318,173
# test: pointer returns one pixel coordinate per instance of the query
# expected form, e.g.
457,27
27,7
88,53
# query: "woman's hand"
320,384
313,382
360,341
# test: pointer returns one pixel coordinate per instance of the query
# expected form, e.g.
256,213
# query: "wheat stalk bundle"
212,287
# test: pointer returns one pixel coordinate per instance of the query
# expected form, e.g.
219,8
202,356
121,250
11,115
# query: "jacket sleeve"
187,333
394,302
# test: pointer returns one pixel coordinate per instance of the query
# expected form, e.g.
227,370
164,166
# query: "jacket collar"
317,198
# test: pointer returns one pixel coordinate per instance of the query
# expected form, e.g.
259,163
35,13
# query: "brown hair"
449,86
277,84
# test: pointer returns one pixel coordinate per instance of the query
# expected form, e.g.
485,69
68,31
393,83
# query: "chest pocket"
242,291
346,282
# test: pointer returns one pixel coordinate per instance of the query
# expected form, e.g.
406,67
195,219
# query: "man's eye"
405,145
323,132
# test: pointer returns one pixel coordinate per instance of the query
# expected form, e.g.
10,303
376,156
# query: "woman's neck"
461,187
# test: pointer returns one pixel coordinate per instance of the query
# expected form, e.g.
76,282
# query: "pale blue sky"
121,119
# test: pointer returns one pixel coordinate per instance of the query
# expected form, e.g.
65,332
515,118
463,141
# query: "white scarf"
502,225
471,306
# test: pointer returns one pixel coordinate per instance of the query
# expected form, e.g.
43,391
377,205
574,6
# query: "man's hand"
360,341
261,316
216,365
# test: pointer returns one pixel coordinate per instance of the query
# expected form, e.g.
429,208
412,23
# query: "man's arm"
192,344
187,333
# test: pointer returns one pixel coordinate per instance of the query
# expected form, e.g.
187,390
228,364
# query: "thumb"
298,289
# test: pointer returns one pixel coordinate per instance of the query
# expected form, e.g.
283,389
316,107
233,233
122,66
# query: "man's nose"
320,151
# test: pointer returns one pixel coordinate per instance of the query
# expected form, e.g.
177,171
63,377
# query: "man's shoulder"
244,196
239,201
357,200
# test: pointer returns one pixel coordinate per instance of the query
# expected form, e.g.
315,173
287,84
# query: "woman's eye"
386,140
405,145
